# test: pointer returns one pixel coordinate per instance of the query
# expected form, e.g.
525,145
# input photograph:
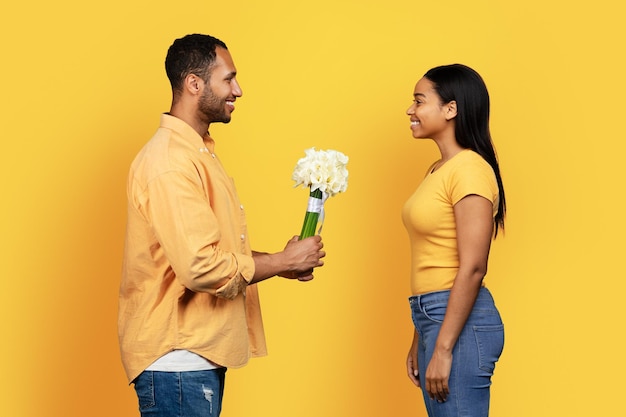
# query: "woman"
451,218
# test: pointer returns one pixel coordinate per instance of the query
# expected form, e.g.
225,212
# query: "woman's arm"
474,228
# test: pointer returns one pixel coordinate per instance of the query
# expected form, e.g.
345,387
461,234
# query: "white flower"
322,170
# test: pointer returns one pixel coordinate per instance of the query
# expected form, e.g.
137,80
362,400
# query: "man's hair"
191,54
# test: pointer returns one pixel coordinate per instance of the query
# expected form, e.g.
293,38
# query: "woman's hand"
438,374
411,363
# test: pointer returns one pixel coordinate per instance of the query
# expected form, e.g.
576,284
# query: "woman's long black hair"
462,84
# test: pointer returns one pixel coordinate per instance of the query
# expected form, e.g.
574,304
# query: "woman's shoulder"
470,164
471,174
471,158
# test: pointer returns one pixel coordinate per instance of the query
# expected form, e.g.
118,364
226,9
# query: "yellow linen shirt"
187,257
428,216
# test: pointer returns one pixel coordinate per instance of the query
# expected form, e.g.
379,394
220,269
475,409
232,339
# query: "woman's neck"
448,148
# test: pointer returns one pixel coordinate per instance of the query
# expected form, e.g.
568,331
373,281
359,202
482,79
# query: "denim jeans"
474,356
180,394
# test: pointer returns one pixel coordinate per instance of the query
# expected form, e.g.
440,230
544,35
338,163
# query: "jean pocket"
144,386
490,342
435,311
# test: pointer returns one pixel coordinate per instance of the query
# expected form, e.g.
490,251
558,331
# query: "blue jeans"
474,356
180,394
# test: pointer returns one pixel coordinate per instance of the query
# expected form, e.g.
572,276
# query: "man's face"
217,101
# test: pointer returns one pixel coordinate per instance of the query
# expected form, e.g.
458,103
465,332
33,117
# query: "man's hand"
300,276
303,256
296,261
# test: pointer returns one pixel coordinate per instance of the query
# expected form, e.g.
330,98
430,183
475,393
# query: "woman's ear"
450,110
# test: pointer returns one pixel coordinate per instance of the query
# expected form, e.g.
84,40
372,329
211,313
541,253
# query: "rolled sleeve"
239,282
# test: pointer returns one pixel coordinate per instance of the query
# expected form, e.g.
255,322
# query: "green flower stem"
310,219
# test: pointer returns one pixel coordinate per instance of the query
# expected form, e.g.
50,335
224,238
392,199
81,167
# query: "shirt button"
213,155
241,206
243,236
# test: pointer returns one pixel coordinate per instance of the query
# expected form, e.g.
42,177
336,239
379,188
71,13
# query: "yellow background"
83,85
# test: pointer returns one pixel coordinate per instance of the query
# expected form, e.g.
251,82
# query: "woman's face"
429,116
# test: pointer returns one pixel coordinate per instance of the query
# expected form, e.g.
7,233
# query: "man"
189,307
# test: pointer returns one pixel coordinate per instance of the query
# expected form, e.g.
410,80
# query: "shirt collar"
206,144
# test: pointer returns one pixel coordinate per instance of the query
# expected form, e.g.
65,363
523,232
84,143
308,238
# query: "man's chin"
224,120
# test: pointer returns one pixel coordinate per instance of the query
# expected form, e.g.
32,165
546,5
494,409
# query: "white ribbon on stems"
316,205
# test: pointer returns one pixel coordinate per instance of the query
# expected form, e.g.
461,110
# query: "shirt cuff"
232,288
238,283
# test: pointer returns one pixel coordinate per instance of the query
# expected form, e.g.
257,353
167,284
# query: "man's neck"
188,116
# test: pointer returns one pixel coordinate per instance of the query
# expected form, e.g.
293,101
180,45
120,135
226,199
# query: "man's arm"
296,261
189,232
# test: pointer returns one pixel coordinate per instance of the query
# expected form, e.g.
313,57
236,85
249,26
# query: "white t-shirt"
181,361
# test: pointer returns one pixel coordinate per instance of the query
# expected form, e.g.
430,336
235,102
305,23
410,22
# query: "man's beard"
213,108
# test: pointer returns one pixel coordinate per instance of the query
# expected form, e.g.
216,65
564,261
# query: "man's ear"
450,110
193,84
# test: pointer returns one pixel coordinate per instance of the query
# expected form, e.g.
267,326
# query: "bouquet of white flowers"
326,174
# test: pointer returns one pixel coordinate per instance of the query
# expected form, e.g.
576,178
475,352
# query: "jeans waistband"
417,301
